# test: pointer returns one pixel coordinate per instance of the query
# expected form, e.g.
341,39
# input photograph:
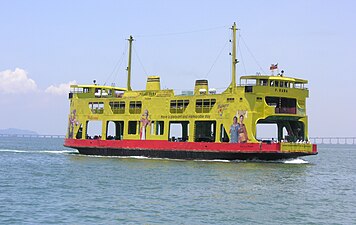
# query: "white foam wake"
296,161
212,160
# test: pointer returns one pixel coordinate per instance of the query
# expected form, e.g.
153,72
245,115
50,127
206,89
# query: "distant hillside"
11,131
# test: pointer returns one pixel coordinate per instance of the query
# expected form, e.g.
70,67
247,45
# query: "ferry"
210,125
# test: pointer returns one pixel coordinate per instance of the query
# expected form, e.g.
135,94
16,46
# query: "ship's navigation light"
212,91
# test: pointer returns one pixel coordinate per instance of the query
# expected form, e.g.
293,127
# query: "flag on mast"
273,66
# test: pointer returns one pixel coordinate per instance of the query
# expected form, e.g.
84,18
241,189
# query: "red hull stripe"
176,146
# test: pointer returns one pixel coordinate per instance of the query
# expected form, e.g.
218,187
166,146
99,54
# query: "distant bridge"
333,140
34,135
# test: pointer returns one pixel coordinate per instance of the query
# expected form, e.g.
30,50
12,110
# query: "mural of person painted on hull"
72,122
243,137
144,123
234,131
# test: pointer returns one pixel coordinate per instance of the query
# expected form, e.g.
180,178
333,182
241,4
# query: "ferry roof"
290,79
98,86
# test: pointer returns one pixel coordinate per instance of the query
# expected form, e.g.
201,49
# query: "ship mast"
129,64
233,58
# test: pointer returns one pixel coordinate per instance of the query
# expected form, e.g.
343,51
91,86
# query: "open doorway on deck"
269,130
79,134
115,130
223,134
94,129
266,132
157,127
178,131
205,131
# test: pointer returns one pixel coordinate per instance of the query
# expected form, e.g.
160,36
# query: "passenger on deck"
234,134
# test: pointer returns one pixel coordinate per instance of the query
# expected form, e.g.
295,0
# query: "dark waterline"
42,182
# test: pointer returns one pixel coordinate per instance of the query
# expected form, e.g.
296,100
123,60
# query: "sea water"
42,182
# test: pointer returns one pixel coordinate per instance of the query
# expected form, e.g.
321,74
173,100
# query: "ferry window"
118,94
248,89
204,105
117,107
276,83
281,84
230,99
282,105
178,106
199,103
135,107
245,82
205,131
96,107
86,90
271,83
159,127
132,127
76,90
104,93
299,85
263,82
97,92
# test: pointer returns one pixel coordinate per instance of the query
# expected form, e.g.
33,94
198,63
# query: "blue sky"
57,42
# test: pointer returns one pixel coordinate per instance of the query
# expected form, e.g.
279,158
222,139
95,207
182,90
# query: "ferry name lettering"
93,117
281,90
223,106
186,117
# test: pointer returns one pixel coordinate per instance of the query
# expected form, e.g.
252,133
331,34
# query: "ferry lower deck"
192,150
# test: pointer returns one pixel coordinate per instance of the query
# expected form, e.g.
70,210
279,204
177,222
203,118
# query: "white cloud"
16,82
61,89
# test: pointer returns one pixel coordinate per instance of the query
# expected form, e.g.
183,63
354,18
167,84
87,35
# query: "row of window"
96,107
204,105
276,83
178,106
135,107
